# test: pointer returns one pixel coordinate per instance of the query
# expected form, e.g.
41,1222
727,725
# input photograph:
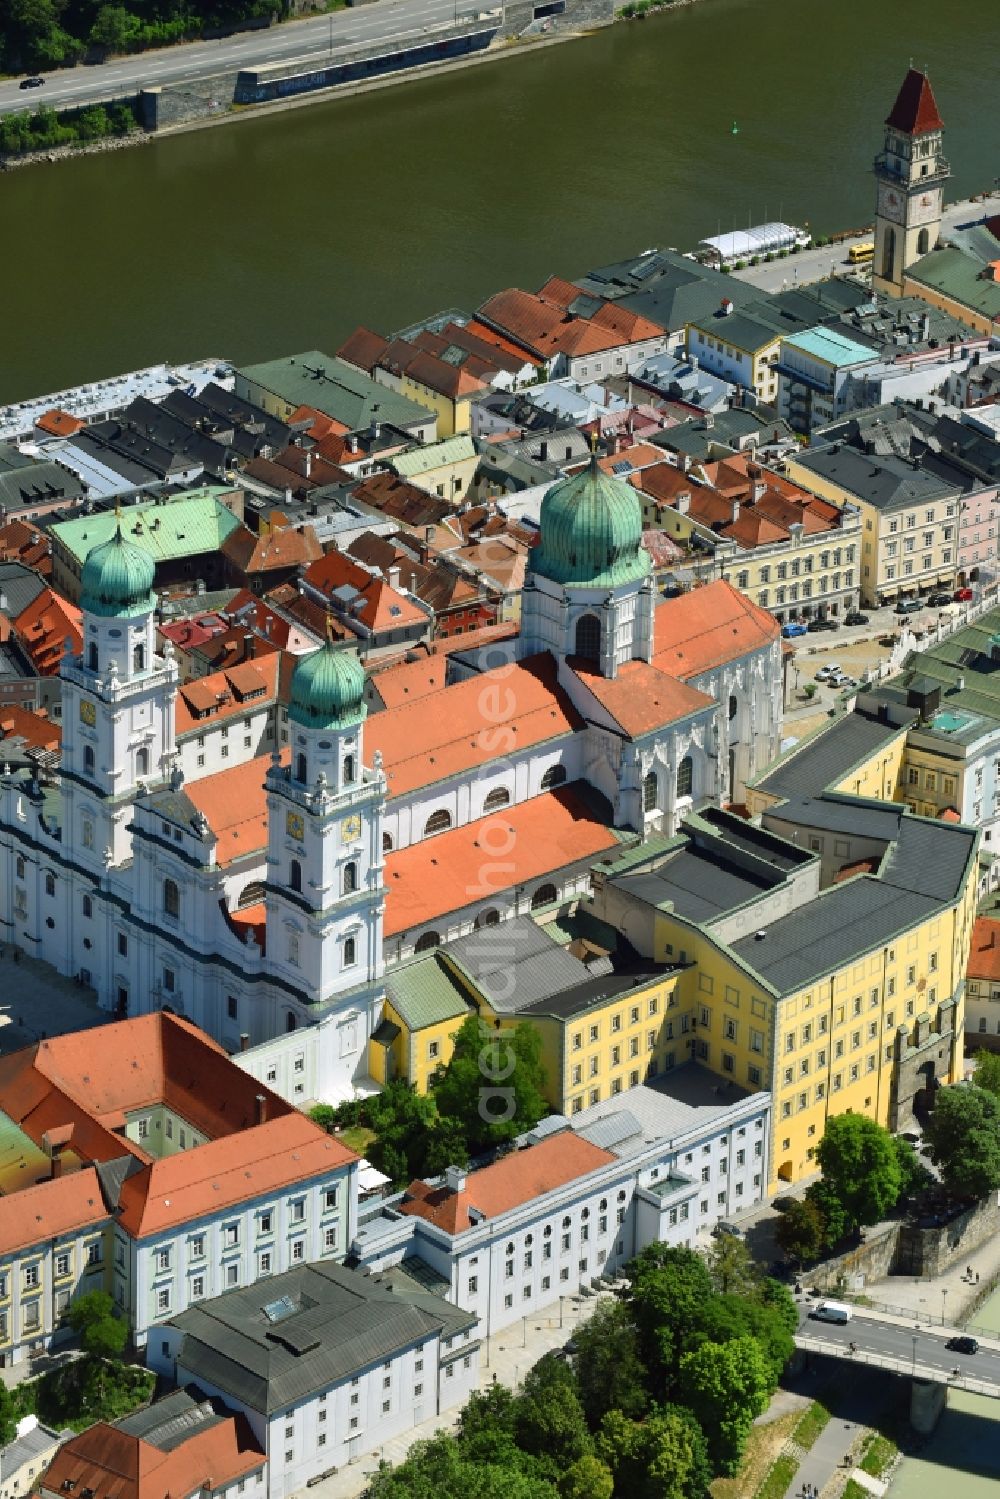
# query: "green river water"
283,232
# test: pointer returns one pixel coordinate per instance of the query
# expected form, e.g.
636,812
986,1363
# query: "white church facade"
264,901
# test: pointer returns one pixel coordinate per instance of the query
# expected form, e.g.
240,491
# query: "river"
284,232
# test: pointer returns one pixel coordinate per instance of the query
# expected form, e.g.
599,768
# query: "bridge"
903,1347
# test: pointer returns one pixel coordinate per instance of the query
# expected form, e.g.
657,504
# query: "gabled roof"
370,600
51,1209
363,349
519,1178
45,627
915,111
226,694
234,804
641,698
984,951
282,547
707,627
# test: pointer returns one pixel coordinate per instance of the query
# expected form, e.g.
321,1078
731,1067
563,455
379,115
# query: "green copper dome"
591,532
327,690
117,579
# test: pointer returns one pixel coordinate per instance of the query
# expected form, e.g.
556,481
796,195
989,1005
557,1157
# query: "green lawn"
357,1137
777,1481
810,1424
853,1490
878,1454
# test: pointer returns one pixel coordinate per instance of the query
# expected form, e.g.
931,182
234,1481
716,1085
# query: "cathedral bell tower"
910,173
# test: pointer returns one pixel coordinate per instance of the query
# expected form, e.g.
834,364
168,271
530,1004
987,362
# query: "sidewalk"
36,1001
947,1300
825,1457
506,1360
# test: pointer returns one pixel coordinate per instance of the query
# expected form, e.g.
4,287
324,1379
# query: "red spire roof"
915,111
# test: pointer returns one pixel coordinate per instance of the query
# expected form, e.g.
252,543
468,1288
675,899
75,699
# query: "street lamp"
944,1298
914,1355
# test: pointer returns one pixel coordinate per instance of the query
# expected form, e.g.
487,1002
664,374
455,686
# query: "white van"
831,1311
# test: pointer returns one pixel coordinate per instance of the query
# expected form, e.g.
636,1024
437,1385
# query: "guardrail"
911,1368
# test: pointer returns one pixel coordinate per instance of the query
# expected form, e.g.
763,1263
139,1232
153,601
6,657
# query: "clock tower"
324,891
910,173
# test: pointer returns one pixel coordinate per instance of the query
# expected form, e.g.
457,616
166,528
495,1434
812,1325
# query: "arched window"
295,875
20,866
438,822
426,941
88,907
92,655
554,776
250,895
293,958
138,657
685,776
588,637
489,917
498,797
290,1020
300,767
50,884
171,899
650,792
348,769
544,896
350,878
387,843
734,706
889,254
350,952
142,762
88,760
923,242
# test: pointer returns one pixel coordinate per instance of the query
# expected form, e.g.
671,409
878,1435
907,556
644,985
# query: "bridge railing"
910,1367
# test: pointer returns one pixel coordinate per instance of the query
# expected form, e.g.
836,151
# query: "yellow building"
424,1007
446,389
446,468
739,347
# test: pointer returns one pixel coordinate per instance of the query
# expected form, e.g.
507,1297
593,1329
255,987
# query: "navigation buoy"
736,128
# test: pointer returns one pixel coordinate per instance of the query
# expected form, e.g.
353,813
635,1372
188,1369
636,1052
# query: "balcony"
889,167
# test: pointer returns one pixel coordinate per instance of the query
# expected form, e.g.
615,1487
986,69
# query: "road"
829,260
319,35
903,1348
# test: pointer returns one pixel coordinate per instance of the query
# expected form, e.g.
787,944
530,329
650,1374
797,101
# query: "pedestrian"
977,1277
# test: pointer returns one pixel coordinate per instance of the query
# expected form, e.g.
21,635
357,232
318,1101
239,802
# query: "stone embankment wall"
907,1249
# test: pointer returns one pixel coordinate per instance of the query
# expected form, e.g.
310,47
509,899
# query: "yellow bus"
861,254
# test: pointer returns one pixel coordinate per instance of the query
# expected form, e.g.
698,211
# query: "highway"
317,36
904,1348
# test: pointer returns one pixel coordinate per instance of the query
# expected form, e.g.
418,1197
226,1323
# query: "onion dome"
327,689
591,532
117,579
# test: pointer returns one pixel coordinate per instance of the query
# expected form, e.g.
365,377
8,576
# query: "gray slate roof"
19,586
828,757
341,1323
516,964
882,480
40,1444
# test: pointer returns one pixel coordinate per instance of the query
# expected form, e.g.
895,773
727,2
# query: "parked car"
939,600
790,631
831,669
31,83
908,606
722,1229
822,624
963,595
962,1345
855,617
842,680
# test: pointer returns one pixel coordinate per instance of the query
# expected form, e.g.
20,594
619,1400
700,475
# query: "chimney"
308,462
261,1109
244,1041
757,490
352,443
736,511
455,1178
248,646
543,451
57,1162
393,577
682,504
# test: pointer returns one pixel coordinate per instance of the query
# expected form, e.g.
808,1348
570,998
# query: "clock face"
350,828
888,202
88,712
294,825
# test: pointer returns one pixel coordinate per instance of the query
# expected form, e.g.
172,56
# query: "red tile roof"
641,698
984,949
410,680
226,694
707,627
518,1178
235,805
512,707
108,1463
51,1209
442,874
33,729
915,111
22,542
43,629
279,548
363,349
59,423
379,607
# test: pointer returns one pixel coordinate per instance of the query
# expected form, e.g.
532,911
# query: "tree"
403,1121
493,1085
587,1478
8,1416
664,1455
115,29
826,1200
725,1386
438,1469
964,1135
445,1147
548,1418
915,1174
986,1073
609,1372
92,1317
801,1231
669,1292
730,1265
860,1167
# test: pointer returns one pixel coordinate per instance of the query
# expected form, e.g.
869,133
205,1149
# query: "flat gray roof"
811,768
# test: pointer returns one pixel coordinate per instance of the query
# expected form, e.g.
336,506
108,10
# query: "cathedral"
265,899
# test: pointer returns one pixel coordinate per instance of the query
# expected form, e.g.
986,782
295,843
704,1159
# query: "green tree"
114,28
548,1418
438,1469
964,1135
587,1478
986,1073
403,1121
860,1167
915,1174
731,1266
101,1333
726,1386
667,1299
609,1372
826,1199
663,1455
8,1416
801,1231
493,1085
445,1147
